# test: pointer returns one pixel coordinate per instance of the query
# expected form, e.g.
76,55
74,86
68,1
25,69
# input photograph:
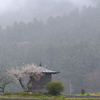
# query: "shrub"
82,91
88,94
54,87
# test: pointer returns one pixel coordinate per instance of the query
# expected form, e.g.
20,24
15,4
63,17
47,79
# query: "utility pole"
70,87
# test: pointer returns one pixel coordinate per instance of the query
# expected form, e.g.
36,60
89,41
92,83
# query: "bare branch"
4,80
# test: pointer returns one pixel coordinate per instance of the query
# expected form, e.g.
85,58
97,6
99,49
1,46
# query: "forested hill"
68,43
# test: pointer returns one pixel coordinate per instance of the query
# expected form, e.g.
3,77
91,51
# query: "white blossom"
31,70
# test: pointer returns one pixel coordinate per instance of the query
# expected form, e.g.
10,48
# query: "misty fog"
64,35
26,10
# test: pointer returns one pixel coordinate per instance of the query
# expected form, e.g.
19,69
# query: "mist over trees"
26,10
69,43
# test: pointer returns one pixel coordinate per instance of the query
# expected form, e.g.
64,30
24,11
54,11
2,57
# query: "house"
39,86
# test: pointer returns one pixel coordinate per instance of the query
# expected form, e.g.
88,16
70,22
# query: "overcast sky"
39,8
14,5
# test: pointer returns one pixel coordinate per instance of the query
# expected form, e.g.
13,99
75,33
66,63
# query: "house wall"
39,86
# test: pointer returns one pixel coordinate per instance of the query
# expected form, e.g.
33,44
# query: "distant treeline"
68,43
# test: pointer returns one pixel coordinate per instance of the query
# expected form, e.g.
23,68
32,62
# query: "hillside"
68,43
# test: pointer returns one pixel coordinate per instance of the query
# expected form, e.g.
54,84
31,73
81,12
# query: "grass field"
36,95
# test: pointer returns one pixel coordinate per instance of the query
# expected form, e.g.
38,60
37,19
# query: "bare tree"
4,80
93,81
20,73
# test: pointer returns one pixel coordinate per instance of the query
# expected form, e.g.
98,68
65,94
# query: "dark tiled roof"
45,70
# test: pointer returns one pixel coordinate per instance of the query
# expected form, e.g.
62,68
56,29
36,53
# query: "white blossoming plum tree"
30,70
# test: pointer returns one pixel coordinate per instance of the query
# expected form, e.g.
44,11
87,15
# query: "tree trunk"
3,88
23,87
28,85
